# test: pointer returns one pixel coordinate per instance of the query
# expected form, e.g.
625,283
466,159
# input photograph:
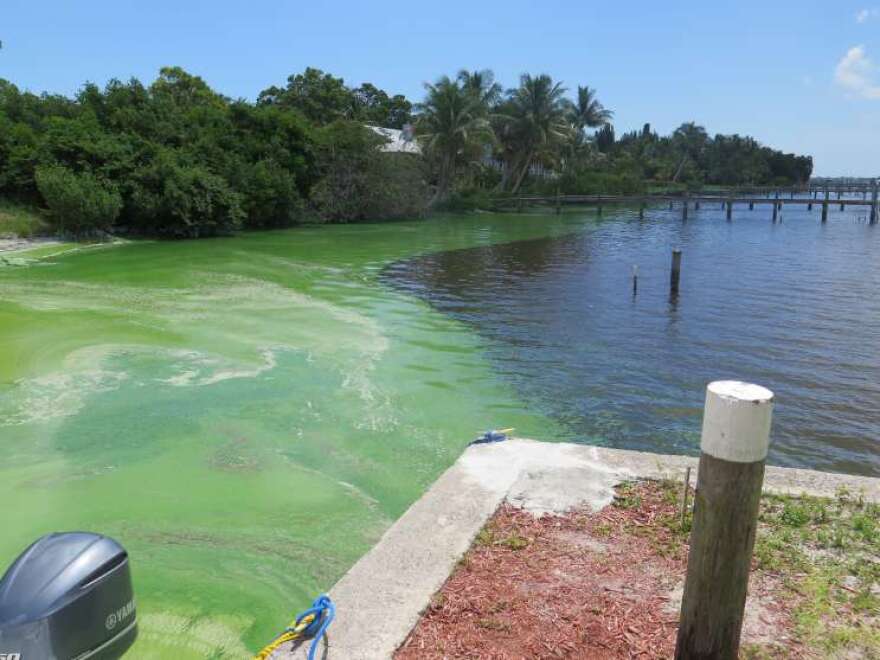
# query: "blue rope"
324,611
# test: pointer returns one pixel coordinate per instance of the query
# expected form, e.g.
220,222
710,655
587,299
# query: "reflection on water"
793,306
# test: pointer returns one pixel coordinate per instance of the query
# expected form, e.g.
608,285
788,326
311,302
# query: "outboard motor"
68,597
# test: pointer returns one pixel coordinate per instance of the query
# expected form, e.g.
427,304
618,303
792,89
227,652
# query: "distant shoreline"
17,244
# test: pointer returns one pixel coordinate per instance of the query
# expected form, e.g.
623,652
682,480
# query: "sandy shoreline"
17,244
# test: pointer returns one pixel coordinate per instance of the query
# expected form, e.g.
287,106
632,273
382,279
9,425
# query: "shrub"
467,200
78,202
271,197
181,200
360,182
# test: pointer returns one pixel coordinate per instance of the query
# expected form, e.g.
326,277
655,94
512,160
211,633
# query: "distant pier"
860,195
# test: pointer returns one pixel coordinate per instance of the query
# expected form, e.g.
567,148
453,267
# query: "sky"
799,76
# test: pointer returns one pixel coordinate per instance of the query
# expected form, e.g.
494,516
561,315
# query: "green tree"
79,202
319,96
481,84
451,122
587,111
374,106
360,182
534,126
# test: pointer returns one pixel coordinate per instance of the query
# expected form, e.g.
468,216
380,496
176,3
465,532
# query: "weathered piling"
642,211
675,274
825,210
729,209
635,280
873,214
809,206
684,210
775,211
735,438
751,206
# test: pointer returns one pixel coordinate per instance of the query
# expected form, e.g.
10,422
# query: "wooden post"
825,210
697,205
809,206
684,210
841,206
675,275
873,215
735,438
642,211
635,280
729,209
775,210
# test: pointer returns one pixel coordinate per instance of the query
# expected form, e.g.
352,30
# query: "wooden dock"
776,198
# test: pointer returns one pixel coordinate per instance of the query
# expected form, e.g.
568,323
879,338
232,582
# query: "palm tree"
534,126
482,85
690,141
451,121
587,111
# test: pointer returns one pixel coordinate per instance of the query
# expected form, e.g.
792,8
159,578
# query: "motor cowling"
69,596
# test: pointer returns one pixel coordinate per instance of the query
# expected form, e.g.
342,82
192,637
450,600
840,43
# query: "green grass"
21,221
829,552
826,551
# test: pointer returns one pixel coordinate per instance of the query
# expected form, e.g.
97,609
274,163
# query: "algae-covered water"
246,415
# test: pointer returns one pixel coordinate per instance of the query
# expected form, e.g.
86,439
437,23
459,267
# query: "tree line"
536,135
175,158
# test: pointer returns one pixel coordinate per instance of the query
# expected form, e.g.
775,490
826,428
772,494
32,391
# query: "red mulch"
581,585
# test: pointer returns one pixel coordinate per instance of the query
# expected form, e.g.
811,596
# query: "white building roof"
398,141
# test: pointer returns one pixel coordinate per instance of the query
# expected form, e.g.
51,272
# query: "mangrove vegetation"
177,159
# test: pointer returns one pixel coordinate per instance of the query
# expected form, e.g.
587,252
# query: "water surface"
245,415
248,415
793,306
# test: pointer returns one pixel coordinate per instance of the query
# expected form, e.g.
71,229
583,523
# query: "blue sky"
799,76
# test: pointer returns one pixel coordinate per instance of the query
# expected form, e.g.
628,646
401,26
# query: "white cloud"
864,15
855,73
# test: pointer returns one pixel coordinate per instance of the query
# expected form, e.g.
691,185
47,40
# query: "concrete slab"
381,598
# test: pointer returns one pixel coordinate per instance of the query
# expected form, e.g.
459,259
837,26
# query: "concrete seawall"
381,598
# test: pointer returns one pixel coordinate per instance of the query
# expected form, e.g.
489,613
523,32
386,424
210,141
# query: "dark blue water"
793,306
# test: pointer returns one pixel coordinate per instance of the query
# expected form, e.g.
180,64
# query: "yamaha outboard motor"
68,597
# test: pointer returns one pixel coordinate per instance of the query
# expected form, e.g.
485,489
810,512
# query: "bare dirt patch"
608,584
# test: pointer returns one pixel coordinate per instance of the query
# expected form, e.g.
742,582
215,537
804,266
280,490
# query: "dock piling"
729,209
873,214
635,280
675,275
735,438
